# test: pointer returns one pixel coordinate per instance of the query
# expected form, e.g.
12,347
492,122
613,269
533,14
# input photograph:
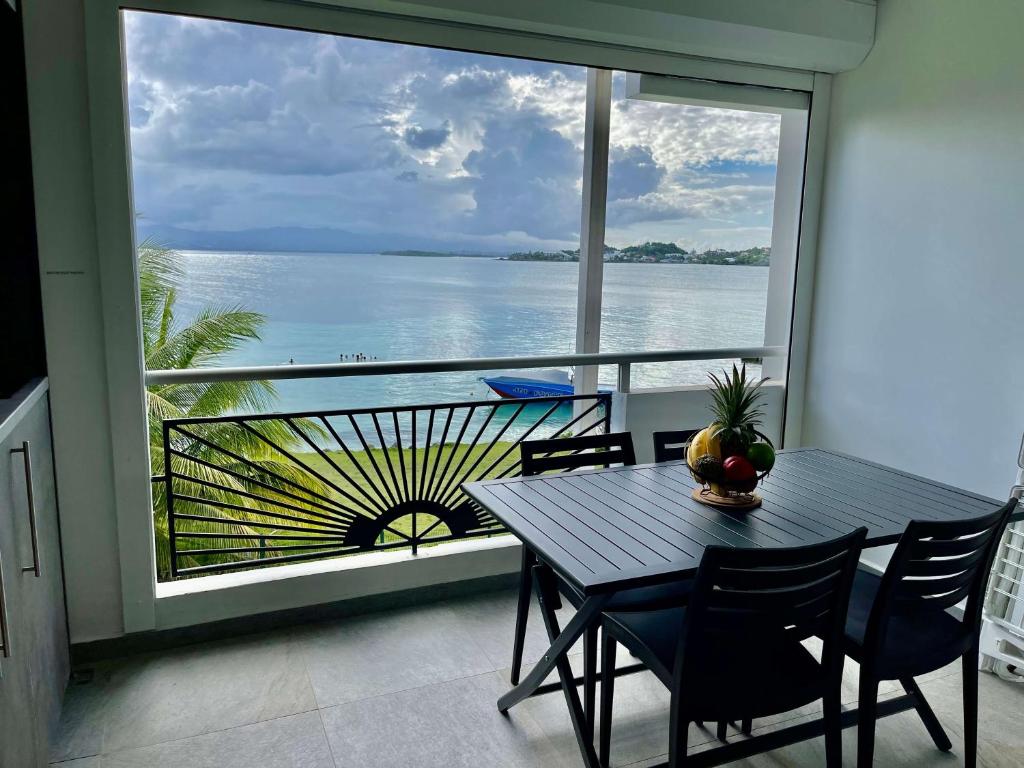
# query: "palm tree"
202,341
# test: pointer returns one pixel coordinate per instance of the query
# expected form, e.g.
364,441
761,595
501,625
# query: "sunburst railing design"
257,491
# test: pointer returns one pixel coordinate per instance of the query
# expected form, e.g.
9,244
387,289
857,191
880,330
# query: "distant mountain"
319,239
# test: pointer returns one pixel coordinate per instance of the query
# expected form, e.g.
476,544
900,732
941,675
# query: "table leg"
557,657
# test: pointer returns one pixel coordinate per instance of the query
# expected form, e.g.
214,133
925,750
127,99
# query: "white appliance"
1002,631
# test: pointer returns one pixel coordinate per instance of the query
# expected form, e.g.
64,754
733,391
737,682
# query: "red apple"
740,472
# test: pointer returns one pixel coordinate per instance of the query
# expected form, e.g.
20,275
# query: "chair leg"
867,709
679,728
607,695
747,726
970,685
832,706
590,678
522,612
931,722
722,730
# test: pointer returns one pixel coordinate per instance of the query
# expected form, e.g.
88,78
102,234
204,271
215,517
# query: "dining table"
607,530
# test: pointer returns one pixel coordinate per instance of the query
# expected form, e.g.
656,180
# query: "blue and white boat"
546,383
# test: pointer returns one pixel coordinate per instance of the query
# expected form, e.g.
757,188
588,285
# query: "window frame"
115,231
792,106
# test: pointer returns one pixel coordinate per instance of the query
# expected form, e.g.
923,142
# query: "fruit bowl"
722,494
731,456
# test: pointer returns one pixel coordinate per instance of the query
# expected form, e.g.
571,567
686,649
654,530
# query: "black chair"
671,445
770,599
899,626
563,455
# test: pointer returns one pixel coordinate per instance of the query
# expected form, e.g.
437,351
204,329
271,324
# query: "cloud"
633,172
427,138
678,203
525,176
237,126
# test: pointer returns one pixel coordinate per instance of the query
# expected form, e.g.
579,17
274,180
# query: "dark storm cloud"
418,137
633,172
237,127
524,178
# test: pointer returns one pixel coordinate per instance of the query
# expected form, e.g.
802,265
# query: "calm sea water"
321,306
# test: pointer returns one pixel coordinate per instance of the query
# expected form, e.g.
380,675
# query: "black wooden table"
612,529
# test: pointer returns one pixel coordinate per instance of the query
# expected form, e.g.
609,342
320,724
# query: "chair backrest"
564,454
936,565
761,596
672,445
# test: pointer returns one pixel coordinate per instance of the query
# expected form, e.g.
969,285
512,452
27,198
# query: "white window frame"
116,234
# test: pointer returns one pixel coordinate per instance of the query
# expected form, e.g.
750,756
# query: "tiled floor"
417,687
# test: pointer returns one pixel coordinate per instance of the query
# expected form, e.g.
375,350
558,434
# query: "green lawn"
446,467
362,482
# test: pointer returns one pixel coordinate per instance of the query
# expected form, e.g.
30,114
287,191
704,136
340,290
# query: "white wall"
917,348
72,313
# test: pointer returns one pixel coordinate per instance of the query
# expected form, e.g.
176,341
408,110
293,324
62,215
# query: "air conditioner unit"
1002,632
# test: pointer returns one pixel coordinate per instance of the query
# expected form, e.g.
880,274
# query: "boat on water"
547,383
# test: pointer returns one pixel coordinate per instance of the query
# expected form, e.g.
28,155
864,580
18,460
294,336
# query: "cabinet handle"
5,644
26,452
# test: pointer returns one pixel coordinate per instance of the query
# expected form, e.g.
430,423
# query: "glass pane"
689,230
361,197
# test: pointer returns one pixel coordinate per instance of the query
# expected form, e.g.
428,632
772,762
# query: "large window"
305,198
367,200
690,201
361,197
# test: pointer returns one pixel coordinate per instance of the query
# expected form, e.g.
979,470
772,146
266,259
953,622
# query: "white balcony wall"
917,352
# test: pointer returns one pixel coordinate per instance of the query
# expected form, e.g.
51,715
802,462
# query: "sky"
253,138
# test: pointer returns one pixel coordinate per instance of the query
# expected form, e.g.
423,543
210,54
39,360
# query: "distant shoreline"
751,257
646,253
443,254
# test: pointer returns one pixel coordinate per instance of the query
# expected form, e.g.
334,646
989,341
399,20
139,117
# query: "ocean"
320,307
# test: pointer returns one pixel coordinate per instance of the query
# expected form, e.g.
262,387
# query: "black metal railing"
255,491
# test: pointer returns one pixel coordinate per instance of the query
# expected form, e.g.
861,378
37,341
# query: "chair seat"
672,595
731,686
915,643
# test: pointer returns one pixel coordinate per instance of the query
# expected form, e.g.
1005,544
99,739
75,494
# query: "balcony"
415,684
240,492
330,595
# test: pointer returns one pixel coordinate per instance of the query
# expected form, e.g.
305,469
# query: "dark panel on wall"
22,352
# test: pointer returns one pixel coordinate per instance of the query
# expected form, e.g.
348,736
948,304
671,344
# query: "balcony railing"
252,491
324,484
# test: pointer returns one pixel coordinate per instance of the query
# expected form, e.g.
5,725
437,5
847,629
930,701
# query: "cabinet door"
32,696
18,730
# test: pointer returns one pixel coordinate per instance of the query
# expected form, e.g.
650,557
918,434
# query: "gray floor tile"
447,725
901,740
1001,724
187,692
491,619
416,687
80,731
297,741
383,652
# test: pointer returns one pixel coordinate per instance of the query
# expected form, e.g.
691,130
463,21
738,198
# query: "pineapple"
736,410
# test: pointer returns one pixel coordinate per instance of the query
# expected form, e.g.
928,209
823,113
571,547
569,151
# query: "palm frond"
243,462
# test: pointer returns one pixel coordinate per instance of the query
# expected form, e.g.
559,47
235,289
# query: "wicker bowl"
727,495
